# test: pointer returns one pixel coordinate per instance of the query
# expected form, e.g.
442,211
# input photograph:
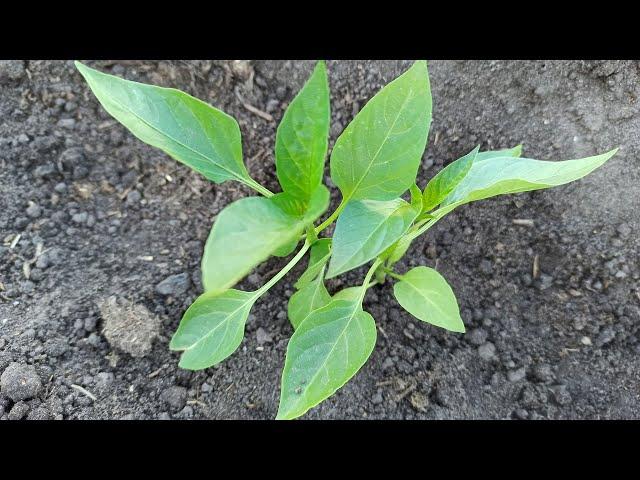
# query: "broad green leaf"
309,210
311,297
447,179
365,229
426,295
507,152
350,293
318,258
378,154
302,137
189,130
245,234
326,350
307,213
212,328
502,175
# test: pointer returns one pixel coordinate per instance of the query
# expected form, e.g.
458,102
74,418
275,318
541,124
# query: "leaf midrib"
150,125
386,138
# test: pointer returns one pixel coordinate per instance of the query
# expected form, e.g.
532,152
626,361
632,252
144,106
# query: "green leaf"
189,130
302,137
212,328
308,210
503,175
245,234
326,350
350,293
319,256
447,179
507,152
378,154
311,297
426,295
365,229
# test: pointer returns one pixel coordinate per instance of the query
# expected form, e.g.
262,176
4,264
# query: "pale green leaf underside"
503,175
302,137
426,295
189,130
319,256
212,328
446,180
378,154
326,350
365,229
245,234
311,297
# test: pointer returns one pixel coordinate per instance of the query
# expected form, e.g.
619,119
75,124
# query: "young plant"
374,163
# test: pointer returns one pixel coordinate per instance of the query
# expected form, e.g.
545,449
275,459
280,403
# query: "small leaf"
212,328
311,297
378,154
426,295
350,293
447,179
365,229
319,256
245,234
502,175
302,137
326,350
189,130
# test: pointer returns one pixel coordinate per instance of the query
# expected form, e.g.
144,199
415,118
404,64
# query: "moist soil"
92,221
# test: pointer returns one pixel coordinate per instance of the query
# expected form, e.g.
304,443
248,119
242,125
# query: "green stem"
332,217
258,188
284,271
367,279
391,273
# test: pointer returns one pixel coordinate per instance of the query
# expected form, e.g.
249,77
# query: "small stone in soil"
129,327
175,285
20,382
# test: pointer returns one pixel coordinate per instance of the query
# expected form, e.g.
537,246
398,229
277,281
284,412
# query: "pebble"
79,217
34,210
516,375
18,411
104,380
477,336
174,285
543,373
174,397
561,395
586,341
60,187
129,327
134,197
624,230
262,336
487,351
20,382
605,336
44,171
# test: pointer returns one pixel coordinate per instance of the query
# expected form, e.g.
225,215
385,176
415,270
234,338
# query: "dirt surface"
88,212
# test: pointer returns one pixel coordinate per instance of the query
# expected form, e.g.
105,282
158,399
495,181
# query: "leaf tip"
517,150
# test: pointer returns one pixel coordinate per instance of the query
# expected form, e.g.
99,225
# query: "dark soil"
99,214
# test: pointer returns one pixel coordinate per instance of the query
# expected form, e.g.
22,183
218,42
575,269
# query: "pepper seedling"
373,163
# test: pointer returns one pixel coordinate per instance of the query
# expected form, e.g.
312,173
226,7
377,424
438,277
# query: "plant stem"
332,217
259,188
391,273
367,279
284,270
